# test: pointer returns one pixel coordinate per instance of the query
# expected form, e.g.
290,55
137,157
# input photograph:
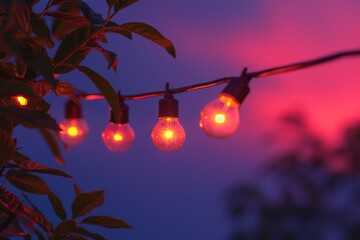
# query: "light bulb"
118,137
168,134
74,127
22,101
220,118
74,131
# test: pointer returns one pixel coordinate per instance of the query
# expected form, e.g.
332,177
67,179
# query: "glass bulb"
118,137
220,118
74,131
168,134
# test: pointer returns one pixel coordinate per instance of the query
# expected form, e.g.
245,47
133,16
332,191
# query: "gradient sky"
180,195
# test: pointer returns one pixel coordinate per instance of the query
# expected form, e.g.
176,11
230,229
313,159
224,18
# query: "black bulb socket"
238,88
72,110
123,114
168,106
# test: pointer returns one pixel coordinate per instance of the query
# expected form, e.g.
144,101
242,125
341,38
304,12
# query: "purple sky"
180,195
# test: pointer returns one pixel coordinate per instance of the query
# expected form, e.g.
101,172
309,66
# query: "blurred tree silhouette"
309,191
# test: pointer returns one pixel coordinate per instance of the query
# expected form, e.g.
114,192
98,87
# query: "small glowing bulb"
168,134
220,118
22,101
118,137
74,127
74,131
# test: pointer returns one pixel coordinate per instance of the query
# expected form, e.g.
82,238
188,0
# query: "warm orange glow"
22,101
118,137
73,131
228,100
220,118
168,134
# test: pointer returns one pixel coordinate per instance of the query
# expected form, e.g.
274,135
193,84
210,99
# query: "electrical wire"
250,75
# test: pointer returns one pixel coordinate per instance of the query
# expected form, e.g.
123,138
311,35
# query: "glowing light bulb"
118,137
168,134
22,101
220,118
74,127
74,131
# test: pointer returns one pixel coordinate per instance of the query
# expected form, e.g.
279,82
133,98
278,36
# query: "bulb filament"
73,131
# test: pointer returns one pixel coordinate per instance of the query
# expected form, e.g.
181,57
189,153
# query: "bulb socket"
168,106
123,114
238,88
72,110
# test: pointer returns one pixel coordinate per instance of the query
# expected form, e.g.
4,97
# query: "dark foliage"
310,191
27,70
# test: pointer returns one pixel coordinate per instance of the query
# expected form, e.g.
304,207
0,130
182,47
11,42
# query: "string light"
168,135
119,136
219,118
74,127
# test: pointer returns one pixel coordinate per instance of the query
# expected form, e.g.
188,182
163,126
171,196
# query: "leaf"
85,232
121,4
57,206
10,201
14,87
32,2
105,88
66,89
7,70
90,14
86,202
39,235
65,227
115,28
74,42
150,33
77,189
36,216
75,19
53,145
27,182
30,118
73,61
110,3
106,221
60,2
32,166
110,57
41,87
61,29
20,13
41,62
40,29
26,237
7,146
21,68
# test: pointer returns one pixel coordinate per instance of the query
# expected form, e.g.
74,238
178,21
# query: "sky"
181,195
